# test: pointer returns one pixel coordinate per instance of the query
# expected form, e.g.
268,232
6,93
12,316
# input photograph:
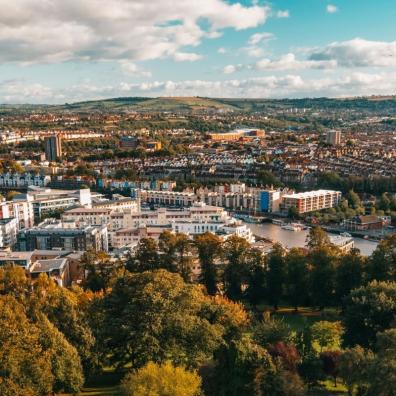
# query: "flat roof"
309,194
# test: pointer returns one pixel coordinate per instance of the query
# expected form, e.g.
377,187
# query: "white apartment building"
311,201
8,232
166,198
128,226
23,179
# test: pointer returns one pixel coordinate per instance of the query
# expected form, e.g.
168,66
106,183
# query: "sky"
63,51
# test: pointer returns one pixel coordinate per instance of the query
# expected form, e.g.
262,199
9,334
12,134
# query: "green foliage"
326,335
65,361
146,257
297,277
349,274
368,310
382,263
24,364
236,253
210,250
271,331
161,380
276,275
155,316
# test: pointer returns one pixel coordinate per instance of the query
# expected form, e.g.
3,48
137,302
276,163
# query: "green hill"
200,104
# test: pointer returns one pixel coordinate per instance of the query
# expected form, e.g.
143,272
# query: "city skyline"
53,52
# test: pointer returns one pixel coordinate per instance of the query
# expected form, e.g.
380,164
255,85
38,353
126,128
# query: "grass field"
105,384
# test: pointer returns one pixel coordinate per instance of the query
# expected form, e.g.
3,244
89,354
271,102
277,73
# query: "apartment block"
311,201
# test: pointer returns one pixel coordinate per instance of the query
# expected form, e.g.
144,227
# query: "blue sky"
55,51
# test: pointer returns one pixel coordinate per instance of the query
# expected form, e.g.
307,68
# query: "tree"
317,238
185,258
266,178
384,203
326,335
271,331
297,277
311,368
25,368
176,253
353,199
210,249
146,257
381,373
331,364
161,380
322,280
257,276
65,362
241,368
349,274
236,252
353,367
286,354
382,263
155,316
368,310
99,269
276,275
167,246
67,310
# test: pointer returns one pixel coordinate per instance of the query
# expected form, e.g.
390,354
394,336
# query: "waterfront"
291,239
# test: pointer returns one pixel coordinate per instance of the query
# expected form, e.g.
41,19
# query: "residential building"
56,234
166,198
46,201
333,138
53,148
311,201
8,232
364,223
18,180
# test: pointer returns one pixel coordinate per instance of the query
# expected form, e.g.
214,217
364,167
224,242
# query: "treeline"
172,333
373,185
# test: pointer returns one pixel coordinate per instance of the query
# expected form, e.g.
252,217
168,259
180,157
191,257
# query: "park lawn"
305,316
104,384
327,388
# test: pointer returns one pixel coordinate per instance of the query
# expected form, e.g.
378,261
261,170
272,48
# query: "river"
291,239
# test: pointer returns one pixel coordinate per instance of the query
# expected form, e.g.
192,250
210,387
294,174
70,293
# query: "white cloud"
331,8
258,38
283,14
186,56
34,31
358,53
256,44
290,85
289,62
229,69
222,50
131,69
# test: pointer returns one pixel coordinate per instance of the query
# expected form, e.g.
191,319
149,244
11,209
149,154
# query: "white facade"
311,201
23,180
8,232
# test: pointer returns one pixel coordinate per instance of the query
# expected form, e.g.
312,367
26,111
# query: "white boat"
293,227
277,222
346,234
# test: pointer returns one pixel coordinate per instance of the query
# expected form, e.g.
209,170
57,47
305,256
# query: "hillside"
200,104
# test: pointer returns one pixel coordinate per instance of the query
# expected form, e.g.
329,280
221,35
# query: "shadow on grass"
104,384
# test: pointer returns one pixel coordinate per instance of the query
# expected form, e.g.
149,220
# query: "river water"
291,239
